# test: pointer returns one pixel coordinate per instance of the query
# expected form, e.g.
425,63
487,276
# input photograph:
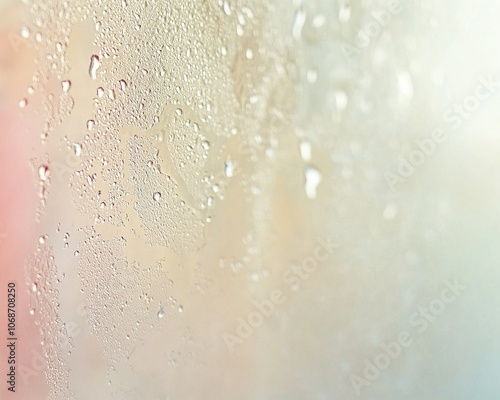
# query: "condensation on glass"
216,211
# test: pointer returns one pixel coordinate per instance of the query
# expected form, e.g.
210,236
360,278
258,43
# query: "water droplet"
180,309
23,103
305,150
123,85
205,144
43,172
249,54
344,12
90,124
161,313
161,136
312,75
156,196
94,66
313,178
76,253
32,311
38,37
226,7
66,85
318,21
77,149
298,23
405,83
34,287
100,92
111,94
229,168
340,99
25,32
390,212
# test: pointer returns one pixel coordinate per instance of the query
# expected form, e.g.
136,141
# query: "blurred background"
235,199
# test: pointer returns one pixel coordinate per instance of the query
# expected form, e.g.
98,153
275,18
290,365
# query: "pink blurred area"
19,134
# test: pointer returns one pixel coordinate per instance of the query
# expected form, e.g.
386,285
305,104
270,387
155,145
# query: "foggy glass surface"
256,200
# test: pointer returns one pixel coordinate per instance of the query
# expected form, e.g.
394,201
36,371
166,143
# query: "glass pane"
247,199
